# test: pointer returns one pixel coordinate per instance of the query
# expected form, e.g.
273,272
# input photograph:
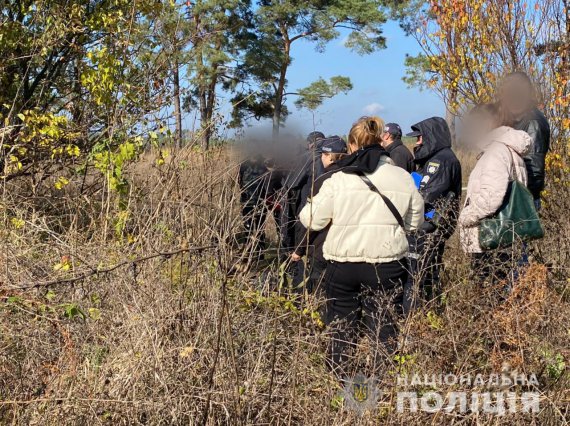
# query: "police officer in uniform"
440,186
399,153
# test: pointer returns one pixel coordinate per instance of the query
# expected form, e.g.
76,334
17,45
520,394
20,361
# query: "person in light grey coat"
501,159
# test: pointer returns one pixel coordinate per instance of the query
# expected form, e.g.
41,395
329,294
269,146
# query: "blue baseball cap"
332,145
394,129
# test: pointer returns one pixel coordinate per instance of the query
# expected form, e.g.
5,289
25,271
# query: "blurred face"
476,127
517,98
419,140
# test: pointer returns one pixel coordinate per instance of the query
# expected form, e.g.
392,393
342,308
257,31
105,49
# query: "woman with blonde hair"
368,204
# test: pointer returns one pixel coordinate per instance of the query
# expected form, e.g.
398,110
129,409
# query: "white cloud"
373,108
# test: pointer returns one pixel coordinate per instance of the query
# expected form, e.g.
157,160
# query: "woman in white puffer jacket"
365,247
501,155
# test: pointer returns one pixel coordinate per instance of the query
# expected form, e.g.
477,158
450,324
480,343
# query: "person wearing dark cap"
304,168
313,138
392,142
440,186
311,243
308,168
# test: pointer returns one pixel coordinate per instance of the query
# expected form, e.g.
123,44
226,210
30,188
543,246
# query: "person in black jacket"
332,149
305,168
392,142
517,95
258,186
440,186
296,186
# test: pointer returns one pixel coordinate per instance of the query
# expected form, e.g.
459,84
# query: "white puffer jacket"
502,149
363,229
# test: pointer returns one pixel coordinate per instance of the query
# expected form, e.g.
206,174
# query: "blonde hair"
366,131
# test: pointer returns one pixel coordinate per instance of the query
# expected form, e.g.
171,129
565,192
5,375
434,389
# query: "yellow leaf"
64,265
72,150
17,223
94,313
186,352
61,182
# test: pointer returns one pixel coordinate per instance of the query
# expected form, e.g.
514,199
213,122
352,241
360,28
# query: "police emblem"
361,393
432,168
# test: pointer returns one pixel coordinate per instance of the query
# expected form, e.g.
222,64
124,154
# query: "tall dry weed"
152,314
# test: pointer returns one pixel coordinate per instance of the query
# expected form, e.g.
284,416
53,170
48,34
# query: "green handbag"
516,219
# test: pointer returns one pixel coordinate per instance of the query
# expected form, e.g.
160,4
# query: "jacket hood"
364,160
518,140
435,137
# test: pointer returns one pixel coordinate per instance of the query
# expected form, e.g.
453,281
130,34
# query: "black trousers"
426,260
254,217
312,274
362,298
316,284
298,274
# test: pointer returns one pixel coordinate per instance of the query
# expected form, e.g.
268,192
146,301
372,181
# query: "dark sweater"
401,156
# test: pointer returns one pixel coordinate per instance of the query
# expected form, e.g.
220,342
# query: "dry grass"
183,333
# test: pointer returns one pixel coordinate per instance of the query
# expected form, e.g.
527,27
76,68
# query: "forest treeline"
94,81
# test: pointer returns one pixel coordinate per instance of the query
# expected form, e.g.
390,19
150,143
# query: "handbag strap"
513,174
389,203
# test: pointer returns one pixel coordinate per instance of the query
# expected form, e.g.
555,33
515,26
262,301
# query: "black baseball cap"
414,133
394,129
315,136
332,145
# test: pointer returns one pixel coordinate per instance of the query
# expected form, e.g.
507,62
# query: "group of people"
365,222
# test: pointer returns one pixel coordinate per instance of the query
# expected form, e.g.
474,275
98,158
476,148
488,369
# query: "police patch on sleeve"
432,167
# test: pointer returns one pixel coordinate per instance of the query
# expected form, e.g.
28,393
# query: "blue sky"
377,80
378,88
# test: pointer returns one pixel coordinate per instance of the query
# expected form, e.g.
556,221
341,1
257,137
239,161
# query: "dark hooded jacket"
537,127
441,173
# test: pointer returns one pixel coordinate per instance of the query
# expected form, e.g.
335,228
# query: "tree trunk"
278,105
76,111
177,107
205,120
450,116
207,105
